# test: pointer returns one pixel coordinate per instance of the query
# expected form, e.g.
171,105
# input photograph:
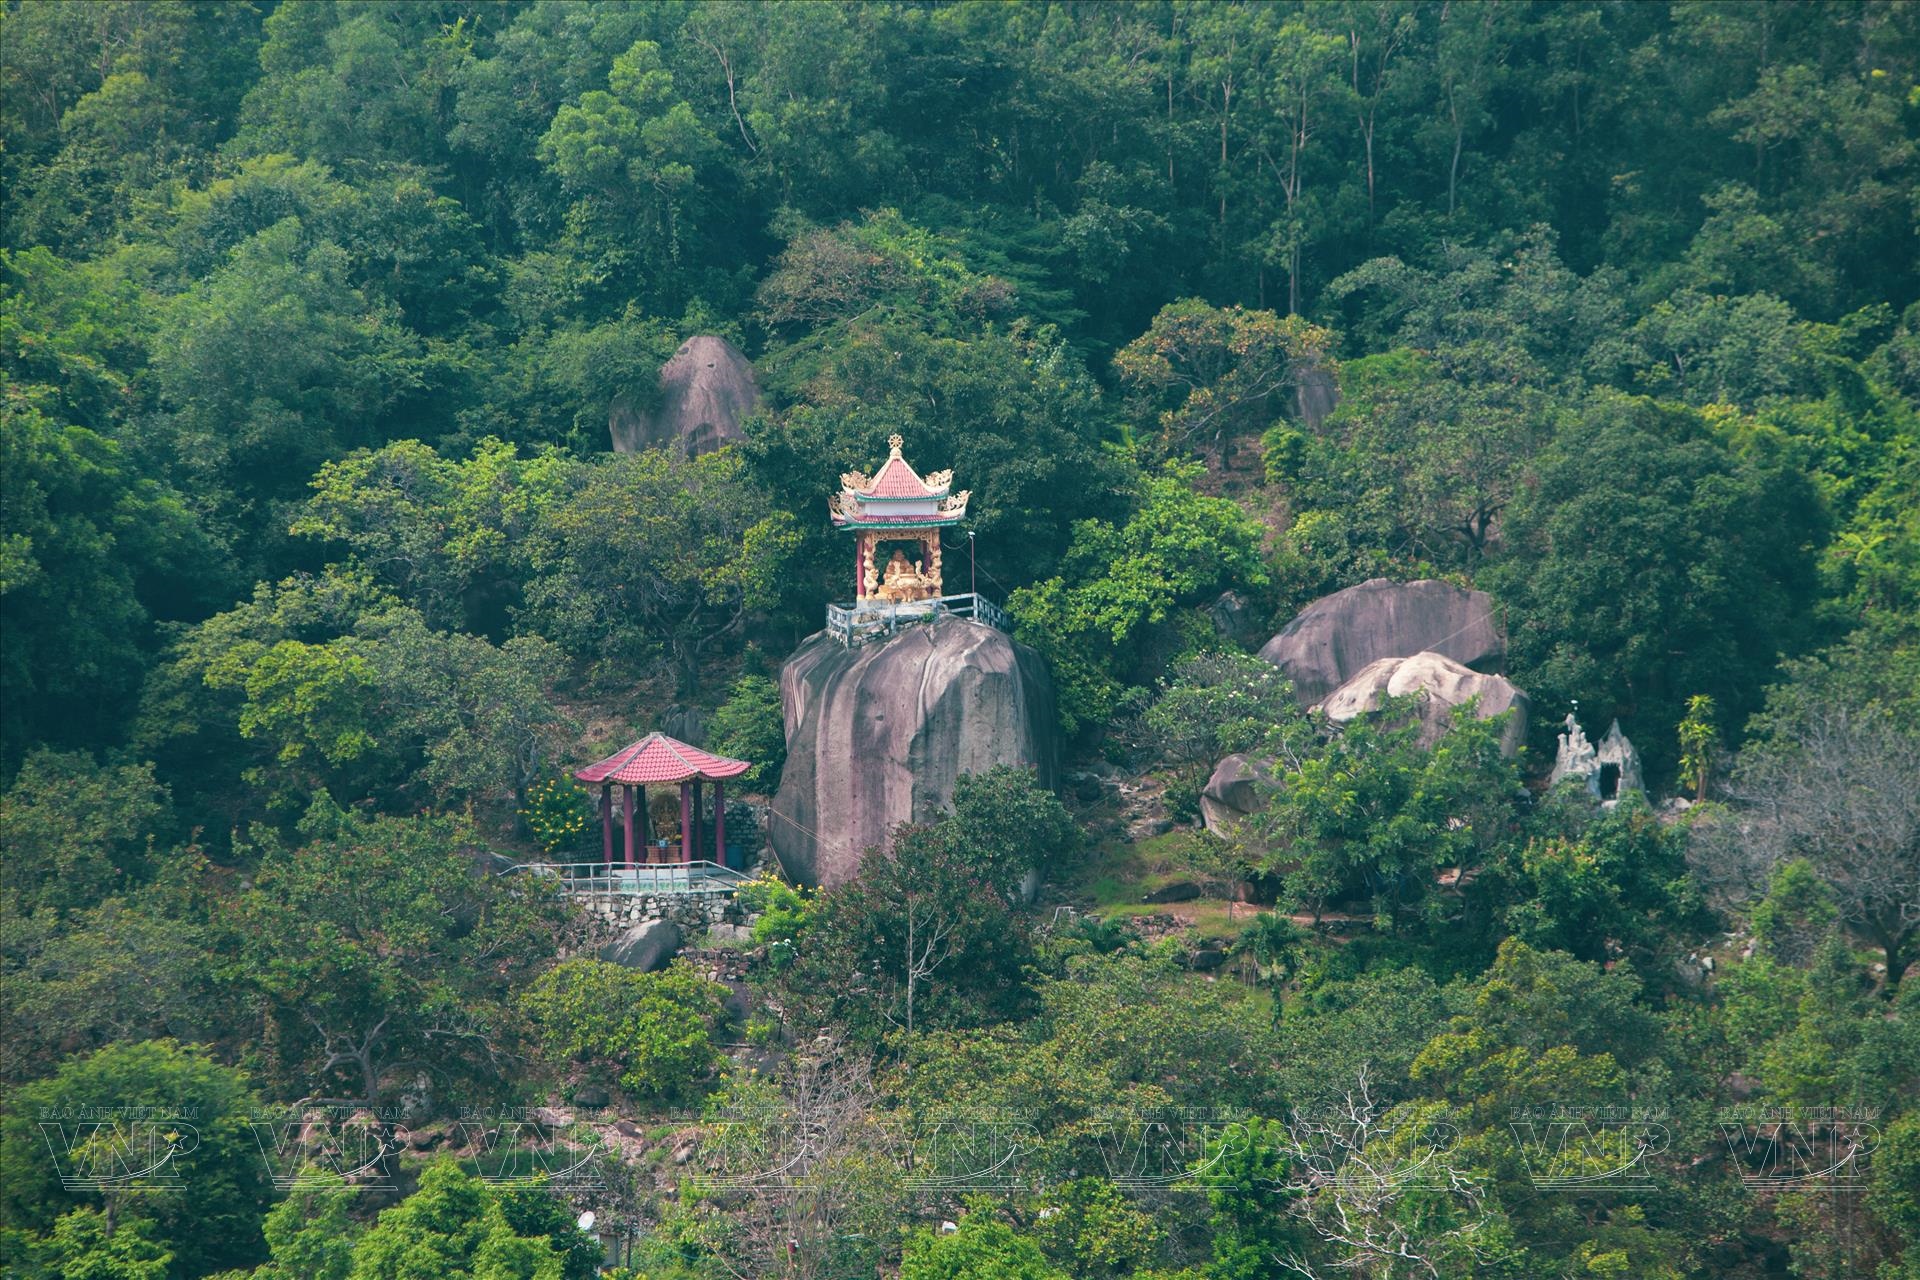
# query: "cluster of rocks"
719,964
1434,644
1158,924
1143,810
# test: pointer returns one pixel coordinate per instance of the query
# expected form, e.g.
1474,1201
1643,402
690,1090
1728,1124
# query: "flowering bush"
783,911
557,812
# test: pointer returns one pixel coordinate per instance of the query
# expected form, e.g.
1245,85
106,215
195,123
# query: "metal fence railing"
598,879
853,624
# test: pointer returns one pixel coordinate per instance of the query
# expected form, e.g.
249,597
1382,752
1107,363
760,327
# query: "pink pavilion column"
606,824
629,814
686,818
720,823
690,847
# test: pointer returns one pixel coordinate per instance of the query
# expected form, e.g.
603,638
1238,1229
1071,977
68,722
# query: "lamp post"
973,575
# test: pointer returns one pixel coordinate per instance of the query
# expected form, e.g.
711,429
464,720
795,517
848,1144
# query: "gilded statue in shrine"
903,583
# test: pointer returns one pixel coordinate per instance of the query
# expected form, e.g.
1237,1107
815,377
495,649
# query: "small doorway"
1609,782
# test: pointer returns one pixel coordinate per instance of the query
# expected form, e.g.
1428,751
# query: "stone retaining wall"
606,919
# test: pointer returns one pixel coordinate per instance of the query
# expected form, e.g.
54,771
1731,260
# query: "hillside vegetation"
318,575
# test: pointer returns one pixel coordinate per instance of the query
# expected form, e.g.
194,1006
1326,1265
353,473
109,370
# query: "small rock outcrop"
707,389
1609,771
1316,394
878,734
1439,684
646,946
1337,635
689,724
1237,788
1234,619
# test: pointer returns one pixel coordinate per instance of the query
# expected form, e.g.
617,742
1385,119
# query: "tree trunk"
1368,133
1453,170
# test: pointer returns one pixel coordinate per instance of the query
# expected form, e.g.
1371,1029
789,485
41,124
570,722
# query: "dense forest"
319,575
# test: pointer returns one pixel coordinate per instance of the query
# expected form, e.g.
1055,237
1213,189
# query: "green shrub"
783,910
1182,796
655,1027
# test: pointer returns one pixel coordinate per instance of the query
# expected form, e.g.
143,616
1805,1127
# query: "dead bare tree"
1843,792
804,1173
1360,1167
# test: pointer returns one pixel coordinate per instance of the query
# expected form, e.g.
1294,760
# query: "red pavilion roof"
658,758
898,479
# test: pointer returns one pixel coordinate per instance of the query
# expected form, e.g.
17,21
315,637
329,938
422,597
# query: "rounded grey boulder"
1238,787
877,735
707,389
1337,635
646,946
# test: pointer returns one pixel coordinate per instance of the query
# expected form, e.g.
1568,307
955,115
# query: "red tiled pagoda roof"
899,480
658,758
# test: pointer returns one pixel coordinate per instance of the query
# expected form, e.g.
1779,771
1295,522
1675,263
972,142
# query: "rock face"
646,946
689,724
1337,635
878,735
706,390
1440,684
1234,791
1316,394
1233,619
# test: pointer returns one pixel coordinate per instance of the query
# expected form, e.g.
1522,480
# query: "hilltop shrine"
901,513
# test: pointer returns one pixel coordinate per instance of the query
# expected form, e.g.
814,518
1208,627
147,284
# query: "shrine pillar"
865,544
629,814
606,824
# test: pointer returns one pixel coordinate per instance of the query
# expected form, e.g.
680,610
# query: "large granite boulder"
877,735
1234,619
1337,635
707,389
1438,684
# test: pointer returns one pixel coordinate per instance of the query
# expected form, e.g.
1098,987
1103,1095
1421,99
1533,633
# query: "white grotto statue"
1609,771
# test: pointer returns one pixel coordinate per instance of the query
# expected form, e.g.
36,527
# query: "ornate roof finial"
894,442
